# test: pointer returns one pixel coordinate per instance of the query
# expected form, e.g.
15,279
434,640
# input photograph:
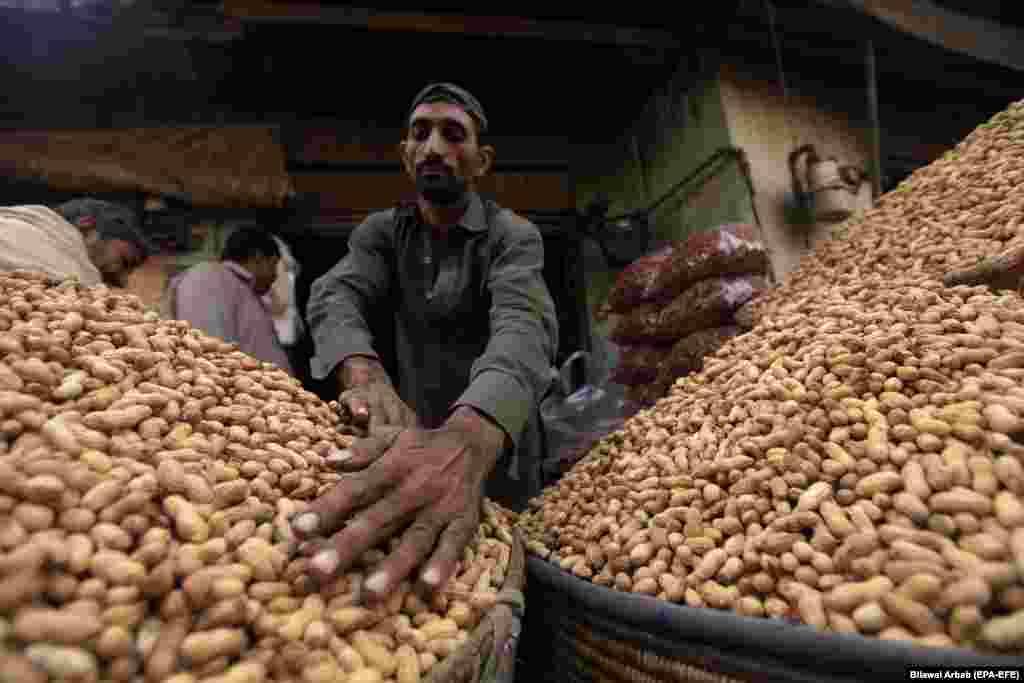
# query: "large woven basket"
577,632
489,654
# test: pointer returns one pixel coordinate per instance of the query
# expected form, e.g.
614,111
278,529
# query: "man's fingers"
326,514
366,530
379,417
357,406
391,407
454,539
326,556
363,452
416,544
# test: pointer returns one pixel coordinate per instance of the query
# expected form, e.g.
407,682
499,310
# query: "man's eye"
420,133
454,134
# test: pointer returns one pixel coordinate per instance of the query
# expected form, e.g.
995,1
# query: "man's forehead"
441,111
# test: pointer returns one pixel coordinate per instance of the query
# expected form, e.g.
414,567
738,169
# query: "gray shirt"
475,324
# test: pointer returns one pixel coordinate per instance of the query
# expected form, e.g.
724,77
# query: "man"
93,240
225,299
476,334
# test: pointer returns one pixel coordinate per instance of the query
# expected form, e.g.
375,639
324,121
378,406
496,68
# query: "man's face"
442,154
264,272
115,259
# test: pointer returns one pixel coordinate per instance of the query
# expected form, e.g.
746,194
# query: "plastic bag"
732,249
637,282
577,414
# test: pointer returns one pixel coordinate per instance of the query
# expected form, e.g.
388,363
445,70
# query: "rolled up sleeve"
508,381
340,299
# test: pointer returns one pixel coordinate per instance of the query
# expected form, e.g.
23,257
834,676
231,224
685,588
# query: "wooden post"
876,132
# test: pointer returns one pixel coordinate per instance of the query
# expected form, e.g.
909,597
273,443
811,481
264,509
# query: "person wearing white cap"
93,240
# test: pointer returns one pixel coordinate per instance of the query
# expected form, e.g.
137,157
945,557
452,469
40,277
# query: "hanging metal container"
826,190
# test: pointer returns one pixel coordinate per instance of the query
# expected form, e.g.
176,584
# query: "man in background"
225,298
96,241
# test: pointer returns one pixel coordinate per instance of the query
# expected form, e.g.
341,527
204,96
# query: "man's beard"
443,190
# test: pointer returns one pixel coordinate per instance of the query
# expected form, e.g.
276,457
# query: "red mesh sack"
707,303
732,249
687,355
636,283
638,327
639,364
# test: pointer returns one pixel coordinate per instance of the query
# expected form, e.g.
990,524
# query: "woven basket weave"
489,654
577,632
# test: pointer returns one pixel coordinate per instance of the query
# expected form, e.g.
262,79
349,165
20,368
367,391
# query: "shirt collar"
238,270
474,219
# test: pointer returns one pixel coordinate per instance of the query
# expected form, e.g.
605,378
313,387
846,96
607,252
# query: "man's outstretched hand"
428,482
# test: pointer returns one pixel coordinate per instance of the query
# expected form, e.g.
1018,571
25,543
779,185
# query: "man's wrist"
477,421
357,371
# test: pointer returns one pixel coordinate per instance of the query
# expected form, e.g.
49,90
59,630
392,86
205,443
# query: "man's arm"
509,379
339,301
338,308
436,477
212,314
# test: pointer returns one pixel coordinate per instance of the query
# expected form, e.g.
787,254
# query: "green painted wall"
677,130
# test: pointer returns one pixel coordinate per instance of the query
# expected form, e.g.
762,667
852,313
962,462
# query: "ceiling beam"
268,11
902,61
975,37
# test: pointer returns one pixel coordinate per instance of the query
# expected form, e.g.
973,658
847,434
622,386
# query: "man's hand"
430,481
369,397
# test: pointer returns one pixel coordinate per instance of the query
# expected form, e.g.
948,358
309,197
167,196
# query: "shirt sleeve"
339,299
509,380
214,315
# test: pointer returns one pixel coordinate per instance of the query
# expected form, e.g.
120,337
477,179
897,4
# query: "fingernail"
306,523
432,576
377,582
325,562
339,456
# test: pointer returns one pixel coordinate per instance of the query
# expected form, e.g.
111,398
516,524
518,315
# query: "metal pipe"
876,131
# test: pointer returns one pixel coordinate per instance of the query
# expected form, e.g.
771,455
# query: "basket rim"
797,643
482,637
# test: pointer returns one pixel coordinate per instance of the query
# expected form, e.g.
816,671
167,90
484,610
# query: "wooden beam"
488,26
312,145
359,193
902,62
975,37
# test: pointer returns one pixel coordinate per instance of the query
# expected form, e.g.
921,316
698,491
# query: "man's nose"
435,145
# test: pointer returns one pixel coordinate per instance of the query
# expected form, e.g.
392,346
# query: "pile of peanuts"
148,474
856,461
965,206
